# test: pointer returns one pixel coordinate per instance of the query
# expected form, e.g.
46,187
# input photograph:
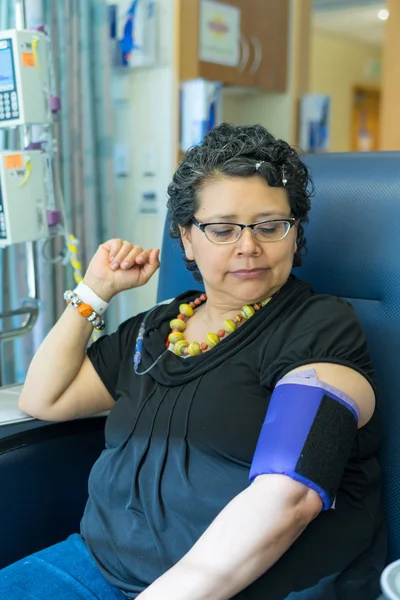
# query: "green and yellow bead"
265,302
194,349
179,347
247,311
229,325
212,339
175,337
178,324
187,310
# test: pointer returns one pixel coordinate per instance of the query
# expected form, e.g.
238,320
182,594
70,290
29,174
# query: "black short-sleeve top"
181,438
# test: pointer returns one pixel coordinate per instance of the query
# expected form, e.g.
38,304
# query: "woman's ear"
187,242
295,238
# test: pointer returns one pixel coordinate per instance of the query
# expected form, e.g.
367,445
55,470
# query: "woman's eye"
222,232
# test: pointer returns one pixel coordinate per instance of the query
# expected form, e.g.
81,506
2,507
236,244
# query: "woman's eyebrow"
272,213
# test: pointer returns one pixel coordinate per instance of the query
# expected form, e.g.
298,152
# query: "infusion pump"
24,178
24,78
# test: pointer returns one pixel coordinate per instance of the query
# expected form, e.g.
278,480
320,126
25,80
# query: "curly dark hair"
233,151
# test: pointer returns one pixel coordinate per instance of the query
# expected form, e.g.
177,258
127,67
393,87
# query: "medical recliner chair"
353,242
353,252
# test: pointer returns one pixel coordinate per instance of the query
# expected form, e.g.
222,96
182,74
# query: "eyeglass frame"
202,227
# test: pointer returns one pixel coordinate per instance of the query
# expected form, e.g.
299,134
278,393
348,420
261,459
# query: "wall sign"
219,33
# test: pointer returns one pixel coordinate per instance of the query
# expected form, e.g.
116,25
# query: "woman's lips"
248,273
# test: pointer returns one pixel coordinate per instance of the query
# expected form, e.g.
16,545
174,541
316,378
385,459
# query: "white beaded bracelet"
87,295
84,309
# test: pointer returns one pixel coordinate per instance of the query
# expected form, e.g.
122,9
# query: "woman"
240,456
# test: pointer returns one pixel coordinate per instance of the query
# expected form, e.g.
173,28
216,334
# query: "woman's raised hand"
119,265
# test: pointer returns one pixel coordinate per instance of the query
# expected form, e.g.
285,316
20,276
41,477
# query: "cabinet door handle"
244,52
258,53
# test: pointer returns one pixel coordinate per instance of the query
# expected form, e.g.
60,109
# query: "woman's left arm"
257,527
245,540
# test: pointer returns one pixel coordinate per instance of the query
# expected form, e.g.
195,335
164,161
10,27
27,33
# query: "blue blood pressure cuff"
307,434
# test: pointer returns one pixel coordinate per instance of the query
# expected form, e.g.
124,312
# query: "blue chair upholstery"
174,278
353,252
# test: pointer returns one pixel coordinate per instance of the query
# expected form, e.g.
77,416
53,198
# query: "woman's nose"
247,242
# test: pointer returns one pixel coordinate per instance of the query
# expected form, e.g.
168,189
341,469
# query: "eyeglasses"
228,233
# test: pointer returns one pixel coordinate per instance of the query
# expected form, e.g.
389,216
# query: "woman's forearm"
251,533
56,363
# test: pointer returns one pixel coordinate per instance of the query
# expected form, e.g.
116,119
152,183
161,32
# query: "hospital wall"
338,64
146,114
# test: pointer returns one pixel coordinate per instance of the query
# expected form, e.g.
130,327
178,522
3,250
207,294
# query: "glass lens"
271,232
222,233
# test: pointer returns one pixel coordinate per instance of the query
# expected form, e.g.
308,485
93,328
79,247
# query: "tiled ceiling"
356,20
331,5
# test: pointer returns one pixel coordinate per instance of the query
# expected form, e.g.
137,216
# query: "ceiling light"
383,14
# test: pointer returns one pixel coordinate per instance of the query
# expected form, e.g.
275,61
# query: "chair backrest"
353,242
174,278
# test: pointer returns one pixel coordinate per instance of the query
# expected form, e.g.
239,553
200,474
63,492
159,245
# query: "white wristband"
87,295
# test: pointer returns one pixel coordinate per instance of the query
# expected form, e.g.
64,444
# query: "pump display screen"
9,105
6,66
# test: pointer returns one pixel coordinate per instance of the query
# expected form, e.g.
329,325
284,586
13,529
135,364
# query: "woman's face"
225,267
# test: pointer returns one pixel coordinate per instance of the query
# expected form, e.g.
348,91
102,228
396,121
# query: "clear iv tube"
20,23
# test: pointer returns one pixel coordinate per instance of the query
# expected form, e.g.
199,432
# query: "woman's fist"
119,265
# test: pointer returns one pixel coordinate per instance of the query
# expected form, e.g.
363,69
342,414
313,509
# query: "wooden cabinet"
263,45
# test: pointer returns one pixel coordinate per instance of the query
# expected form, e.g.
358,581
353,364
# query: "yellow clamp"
28,169
35,45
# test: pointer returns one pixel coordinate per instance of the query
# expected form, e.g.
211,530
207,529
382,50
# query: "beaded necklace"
176,339
183,349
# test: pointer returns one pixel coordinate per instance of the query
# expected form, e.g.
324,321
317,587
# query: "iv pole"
29,306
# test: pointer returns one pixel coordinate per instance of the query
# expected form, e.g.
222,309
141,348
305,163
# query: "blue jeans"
65,571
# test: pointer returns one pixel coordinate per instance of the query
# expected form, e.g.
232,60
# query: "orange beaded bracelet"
85,310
